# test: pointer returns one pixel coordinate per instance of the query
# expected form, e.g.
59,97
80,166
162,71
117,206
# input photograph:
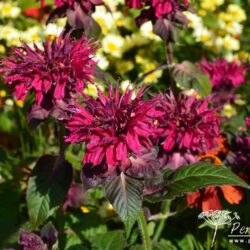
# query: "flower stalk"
61,132
144,231
161,225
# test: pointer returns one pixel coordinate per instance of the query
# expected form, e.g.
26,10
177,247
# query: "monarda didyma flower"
113,127
223,74
62,68
159,9
87,5
188,124
166,15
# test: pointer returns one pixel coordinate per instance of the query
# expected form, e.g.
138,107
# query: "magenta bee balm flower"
224,74
63,67
159,8
164,8
136,4
165,15
188,124
87,5
113,127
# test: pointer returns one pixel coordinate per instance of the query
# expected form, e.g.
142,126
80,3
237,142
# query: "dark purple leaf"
79,19
125,195
37,115
57,13
145,165
92,176
166,29
47,187
49,235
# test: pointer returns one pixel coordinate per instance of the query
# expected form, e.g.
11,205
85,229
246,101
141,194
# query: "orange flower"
222,147
208,198
232,194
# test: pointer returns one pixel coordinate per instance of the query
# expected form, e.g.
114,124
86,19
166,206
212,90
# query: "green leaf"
211,21
137,247
78,247
93,224
109,241
200,175
125,194
47,187
10,198
189,76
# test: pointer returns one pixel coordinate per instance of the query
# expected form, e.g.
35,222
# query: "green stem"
165,210
59,223
144,231
169,54
209,240
61,131
170,61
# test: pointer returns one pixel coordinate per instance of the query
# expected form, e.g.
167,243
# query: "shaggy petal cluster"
187,124
223,74
63,67
113,127
159,8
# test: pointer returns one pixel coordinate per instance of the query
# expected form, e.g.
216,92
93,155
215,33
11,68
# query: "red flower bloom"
209,198
87,5
169,9
136,4
34,12
62,68
113,127
187,124
163,8
224,74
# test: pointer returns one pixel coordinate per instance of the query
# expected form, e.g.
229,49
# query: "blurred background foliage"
217,28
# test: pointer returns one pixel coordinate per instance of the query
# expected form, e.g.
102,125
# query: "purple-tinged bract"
31,241
63,67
